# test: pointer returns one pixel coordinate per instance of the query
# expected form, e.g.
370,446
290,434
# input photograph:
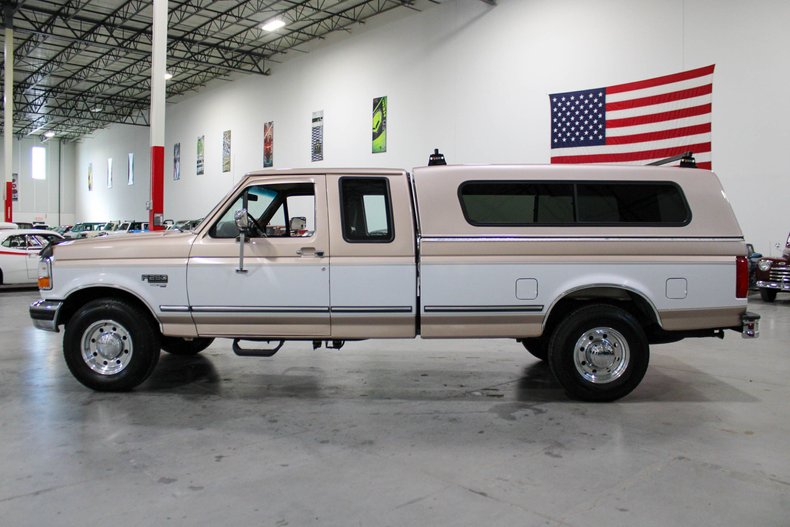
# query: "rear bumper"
44,314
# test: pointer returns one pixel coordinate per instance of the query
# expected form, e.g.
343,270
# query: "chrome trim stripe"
174,309
270,309
482,309
383,309
514,238
258,309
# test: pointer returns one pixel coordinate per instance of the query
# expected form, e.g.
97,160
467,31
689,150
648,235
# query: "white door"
283,288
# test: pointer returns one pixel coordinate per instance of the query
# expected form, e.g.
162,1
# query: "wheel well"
83,296
630,301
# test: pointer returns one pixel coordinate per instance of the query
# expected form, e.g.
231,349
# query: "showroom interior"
385,432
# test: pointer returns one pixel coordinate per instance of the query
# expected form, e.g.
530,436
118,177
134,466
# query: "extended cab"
585,266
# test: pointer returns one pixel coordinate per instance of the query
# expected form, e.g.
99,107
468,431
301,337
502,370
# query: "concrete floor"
400,433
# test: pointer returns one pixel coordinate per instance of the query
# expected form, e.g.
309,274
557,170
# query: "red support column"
8,208
157,186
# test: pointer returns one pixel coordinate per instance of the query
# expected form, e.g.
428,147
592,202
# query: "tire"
599,353
111,345
182,346
537,346
768,295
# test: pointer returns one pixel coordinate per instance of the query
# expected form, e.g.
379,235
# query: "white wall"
50,200
474,81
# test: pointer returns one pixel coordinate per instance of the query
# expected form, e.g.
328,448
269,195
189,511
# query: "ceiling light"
96,109
273,25
168,76
49,134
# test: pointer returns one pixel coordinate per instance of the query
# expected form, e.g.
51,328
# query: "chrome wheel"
601,355
106,347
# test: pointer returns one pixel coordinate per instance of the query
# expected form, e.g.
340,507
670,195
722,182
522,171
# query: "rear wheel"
599,353
182,346
111,345
768,295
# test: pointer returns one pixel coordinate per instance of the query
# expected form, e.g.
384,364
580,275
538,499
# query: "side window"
516,203
524,203
280,210
366,211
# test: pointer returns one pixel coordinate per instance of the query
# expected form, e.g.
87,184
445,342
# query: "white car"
19,250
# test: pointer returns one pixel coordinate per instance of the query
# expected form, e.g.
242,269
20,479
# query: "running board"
238,350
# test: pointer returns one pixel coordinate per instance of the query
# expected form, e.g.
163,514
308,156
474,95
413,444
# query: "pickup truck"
586,266
773,274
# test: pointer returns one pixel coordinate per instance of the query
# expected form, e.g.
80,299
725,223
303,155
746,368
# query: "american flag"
635,123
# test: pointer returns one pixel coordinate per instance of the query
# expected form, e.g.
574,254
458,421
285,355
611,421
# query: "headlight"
764,265
45,273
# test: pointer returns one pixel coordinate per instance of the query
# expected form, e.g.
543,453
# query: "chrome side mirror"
242,219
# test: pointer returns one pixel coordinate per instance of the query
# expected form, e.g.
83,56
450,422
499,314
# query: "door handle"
310,251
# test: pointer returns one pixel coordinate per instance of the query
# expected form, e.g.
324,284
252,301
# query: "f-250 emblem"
155,279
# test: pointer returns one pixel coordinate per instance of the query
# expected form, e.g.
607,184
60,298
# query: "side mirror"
242,219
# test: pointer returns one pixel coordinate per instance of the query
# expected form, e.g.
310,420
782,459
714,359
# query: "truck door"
283,289
373,288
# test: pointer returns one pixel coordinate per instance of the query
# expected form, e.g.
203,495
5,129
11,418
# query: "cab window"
280,210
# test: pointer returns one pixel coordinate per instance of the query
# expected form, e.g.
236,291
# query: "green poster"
379,125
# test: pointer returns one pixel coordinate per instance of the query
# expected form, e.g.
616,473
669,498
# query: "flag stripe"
581,148
658,90
658,126
657,136
666,79
663,116
632,156
660,99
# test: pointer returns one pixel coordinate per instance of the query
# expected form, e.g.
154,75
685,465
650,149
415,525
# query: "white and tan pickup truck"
585,266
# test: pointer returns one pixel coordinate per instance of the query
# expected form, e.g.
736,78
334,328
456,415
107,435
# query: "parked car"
184,225
84,230
130,227
773,274
754,258
19,250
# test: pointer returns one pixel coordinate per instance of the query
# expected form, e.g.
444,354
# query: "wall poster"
226,151
109,172
130,170
14,186
201,149
317,137
176,161
268,144
90,177
380,125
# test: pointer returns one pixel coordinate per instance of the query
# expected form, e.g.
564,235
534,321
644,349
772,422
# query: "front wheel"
768,295
110,345
599,353
182,346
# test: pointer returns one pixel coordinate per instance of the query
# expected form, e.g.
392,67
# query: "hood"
160,244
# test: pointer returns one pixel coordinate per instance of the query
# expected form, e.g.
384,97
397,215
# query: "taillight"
741,277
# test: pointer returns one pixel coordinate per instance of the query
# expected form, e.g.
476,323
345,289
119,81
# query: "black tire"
599,353
768,295
111,345
537,346
182,346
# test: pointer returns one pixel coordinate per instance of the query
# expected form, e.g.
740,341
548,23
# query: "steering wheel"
256,227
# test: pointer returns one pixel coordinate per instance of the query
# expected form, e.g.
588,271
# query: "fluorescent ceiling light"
273,25
50,134
96,109
168,76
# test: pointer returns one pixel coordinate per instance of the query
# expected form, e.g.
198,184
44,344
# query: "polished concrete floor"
396,433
